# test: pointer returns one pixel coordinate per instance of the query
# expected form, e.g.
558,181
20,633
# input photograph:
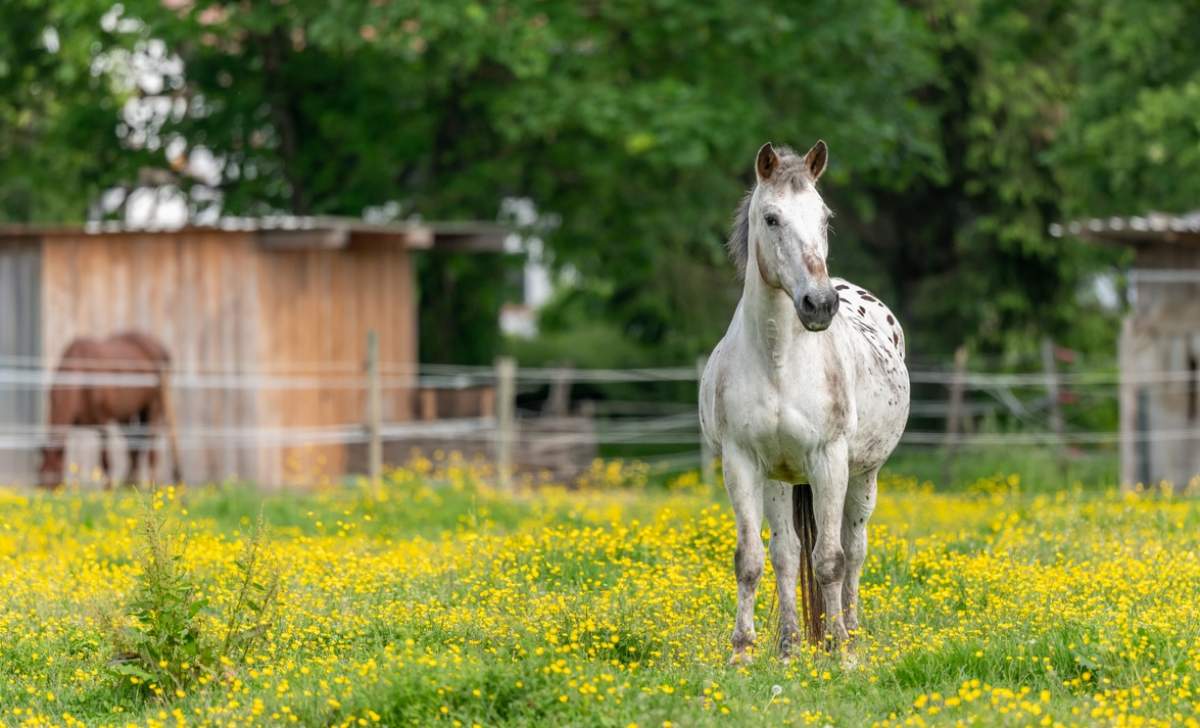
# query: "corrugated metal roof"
295,231
1151,227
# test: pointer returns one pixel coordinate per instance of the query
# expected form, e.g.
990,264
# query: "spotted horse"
804,398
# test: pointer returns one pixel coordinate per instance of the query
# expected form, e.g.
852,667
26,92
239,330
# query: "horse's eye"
772,220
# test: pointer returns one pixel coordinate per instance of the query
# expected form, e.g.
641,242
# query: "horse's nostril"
808,304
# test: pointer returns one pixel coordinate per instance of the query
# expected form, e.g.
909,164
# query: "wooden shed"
1159,346
266,320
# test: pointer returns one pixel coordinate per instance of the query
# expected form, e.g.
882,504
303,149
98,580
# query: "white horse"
808,387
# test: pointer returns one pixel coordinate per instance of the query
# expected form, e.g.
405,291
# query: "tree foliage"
57,111
959,131
1131,139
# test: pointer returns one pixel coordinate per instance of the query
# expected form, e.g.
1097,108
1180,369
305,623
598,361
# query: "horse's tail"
168,413
805,521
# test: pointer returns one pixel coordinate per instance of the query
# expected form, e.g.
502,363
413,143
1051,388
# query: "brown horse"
139,403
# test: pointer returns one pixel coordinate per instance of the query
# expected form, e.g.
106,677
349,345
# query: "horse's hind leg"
138,439
744,485
860,503
828,470
785,557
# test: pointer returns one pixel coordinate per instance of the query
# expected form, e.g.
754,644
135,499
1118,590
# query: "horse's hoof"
788,649
741,657
849,659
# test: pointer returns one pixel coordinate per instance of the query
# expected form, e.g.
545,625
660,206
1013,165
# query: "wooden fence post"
957,382
506,405
1050,371
706,454
374,412
954,415
1127,407
558,404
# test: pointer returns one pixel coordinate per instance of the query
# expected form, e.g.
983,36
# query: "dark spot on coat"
862,311
842,287
861,292
868,298
890,319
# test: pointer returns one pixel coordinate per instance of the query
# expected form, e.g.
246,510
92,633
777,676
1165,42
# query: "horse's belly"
788,470
120,404
881,422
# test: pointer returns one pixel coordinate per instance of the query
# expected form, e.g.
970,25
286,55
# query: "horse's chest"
780,426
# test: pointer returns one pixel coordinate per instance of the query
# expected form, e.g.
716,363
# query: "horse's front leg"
860,503
828,471
105,463
785,557
743,482
136,443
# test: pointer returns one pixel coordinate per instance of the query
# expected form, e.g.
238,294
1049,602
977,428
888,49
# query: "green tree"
964,248
959,131
634,124
58,112
1130,141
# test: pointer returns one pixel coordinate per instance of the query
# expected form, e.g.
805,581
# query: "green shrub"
167,640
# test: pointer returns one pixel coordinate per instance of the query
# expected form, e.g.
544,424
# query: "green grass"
438,601
1043,469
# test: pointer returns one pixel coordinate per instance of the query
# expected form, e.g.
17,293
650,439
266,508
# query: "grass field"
438,602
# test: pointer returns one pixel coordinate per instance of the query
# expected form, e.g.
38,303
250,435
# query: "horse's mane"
791,171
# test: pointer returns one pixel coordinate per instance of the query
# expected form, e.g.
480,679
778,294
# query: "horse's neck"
771,322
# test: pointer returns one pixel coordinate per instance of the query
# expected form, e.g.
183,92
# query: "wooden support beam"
374,412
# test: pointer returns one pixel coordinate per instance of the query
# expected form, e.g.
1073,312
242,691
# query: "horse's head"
784,221
50,475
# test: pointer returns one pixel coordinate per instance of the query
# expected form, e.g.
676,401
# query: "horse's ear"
816,158
766,163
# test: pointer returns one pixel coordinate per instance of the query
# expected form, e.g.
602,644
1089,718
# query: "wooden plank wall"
196,292
20,336
219,301
1161,336
316,308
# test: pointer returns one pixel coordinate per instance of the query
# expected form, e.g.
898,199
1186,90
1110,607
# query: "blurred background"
497,227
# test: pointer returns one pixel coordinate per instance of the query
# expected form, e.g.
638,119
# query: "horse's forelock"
792,169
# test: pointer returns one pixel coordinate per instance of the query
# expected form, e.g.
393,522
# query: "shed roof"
284,232
1153,227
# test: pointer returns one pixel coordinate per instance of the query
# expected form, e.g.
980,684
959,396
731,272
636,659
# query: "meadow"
435,600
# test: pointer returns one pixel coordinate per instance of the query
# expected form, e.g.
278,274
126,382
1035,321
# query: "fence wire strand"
660,424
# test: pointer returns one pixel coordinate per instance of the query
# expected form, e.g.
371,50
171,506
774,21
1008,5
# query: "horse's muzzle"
816,308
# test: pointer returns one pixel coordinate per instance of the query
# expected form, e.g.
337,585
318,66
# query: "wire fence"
18,369
564,416
645,412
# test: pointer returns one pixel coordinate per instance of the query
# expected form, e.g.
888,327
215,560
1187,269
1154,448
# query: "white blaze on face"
805,215
790,225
